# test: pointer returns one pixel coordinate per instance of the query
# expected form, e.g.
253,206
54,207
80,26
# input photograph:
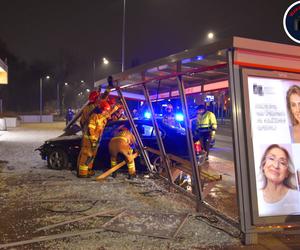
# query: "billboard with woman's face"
273,103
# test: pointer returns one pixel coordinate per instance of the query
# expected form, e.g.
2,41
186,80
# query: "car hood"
64,138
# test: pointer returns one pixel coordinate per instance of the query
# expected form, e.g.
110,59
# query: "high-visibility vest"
207,120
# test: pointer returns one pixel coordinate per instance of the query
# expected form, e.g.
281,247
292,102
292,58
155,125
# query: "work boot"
83,176
131,176
91,172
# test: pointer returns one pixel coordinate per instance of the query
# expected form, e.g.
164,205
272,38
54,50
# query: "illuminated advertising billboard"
274,116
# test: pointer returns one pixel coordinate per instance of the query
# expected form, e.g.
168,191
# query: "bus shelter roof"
201,67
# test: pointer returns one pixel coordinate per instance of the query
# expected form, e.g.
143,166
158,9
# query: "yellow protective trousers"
120,145
86,157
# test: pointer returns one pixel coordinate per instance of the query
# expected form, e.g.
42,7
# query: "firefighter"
206,126
93,98
88,110
122,143
91,137
169,117
119,115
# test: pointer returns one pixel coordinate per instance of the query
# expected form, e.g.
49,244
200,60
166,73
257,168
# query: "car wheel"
57,159
157,163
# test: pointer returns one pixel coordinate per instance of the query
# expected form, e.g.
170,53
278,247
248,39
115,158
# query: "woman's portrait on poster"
293,107
278,186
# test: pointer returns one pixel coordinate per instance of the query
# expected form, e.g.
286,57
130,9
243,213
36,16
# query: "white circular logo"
291,22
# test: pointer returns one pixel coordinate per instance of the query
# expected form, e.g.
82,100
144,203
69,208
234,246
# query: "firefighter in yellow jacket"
91,137
206,126
93,98
122,143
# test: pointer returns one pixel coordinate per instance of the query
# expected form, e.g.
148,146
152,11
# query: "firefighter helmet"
93,96
111,101
104,106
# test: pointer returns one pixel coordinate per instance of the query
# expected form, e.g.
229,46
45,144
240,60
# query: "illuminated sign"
3,73
193,90
274,105
209,98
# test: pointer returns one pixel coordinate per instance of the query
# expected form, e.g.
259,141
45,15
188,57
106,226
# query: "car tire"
57,159
157,163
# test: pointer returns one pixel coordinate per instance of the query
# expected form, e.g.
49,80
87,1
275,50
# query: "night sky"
87,30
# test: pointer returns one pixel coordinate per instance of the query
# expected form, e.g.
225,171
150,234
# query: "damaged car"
62,152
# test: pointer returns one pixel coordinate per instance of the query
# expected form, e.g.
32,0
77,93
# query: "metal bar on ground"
160,143
113,169
181,225
187,167
51,237
80,219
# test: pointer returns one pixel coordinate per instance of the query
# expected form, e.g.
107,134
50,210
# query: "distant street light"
41,96
105,61
66,84
210,35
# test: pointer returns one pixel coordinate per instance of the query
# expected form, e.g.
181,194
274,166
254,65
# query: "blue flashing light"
187,60
147,115
199,58
179,117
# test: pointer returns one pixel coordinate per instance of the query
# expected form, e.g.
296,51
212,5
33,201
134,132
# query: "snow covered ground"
33,196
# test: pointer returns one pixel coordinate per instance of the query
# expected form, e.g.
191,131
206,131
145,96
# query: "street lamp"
41,96
63,96
105,61
210,35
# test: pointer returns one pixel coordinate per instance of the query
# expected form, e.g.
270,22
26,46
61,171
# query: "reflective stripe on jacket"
96,125
207,120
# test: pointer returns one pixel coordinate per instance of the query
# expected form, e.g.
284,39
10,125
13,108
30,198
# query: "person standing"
206,125
92,134
169,117
69,115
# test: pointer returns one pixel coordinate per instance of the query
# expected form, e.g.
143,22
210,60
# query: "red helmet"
111,100
94,96
104,106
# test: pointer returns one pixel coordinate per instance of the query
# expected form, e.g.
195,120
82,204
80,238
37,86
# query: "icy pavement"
34,197
17,145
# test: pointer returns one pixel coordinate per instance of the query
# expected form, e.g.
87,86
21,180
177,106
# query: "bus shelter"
259,77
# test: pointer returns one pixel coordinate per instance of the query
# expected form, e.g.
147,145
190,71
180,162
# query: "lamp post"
41,96
57,98
123,35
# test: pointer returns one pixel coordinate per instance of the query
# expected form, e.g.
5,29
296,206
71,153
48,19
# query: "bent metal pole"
135,132
190,143
164,156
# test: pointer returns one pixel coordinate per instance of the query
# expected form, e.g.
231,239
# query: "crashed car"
62,152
